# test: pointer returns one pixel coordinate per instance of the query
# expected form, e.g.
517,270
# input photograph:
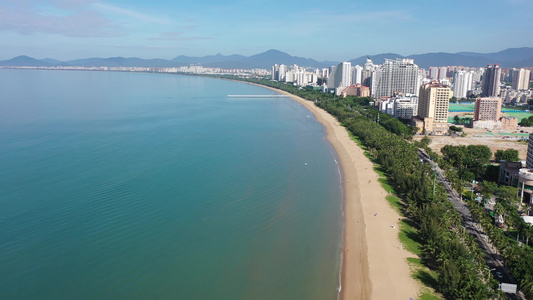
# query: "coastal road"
493,258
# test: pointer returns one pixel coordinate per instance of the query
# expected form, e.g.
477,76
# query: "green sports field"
470,107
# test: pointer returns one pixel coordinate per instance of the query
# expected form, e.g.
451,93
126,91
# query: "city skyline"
340,30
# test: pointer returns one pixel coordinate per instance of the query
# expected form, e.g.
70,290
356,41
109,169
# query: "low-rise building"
509,123
404,106
509,172
356,90
504,123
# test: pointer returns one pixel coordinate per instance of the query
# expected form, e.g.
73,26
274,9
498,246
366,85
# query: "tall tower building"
395,76
324,73
520,79
340,76
282,73
462,83
346,74
275,72
443,71
433,73
357,74
368,68
491,81
433,104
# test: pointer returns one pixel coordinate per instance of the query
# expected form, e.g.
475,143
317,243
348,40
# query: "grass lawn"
427,277
471,107
409,237
519,115
455,106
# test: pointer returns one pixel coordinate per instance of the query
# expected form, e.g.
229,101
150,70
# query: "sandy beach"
375,265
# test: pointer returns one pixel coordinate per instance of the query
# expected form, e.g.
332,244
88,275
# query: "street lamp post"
491,271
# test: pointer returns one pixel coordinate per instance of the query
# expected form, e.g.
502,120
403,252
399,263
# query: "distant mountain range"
513,57
510,58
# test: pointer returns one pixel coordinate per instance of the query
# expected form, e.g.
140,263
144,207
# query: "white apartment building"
520,79
395,76
357,74
462,83
340,76
401,106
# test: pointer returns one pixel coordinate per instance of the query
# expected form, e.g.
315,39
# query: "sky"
334,30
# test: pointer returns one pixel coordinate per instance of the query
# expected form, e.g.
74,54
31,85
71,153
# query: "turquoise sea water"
153,186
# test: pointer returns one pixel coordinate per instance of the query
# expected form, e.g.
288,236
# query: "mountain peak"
274,51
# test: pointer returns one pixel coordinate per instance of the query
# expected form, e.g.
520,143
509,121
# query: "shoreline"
373,262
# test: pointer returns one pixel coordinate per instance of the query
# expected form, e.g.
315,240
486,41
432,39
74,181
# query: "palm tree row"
518,258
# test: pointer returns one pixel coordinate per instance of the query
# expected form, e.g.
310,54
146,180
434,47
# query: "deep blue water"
157,186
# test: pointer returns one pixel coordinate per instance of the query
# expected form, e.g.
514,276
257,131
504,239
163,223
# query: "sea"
121,185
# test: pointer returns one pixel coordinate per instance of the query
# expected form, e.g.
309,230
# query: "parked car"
499,275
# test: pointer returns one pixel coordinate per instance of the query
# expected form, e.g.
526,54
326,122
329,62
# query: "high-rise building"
282,72
488,109
443,71
395,76
366,76
324,73
275,72
520,79
462,83
346,74
433,104
491,81
525,176
340,76
332,78
357,74
529,158
433,73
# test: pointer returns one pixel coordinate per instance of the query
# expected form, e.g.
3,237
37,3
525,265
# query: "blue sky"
323,30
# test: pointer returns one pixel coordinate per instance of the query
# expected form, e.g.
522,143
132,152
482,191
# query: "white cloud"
25,19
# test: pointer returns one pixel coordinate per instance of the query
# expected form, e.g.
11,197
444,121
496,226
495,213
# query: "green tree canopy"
507,155
456,119
469,160
526,121
456,128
